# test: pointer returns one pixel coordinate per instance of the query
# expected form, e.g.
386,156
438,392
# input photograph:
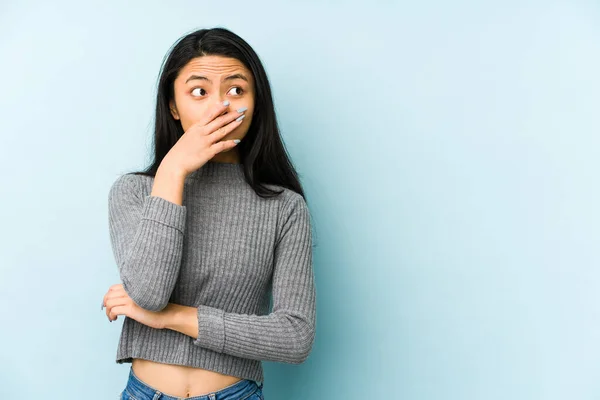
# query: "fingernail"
241,110
236,141
102,307
241,117
226,103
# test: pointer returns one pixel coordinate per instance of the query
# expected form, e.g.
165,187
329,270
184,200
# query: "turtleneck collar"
219,171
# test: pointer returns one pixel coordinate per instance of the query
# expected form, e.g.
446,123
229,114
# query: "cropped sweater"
244,261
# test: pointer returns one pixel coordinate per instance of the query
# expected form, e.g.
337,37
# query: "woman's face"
207,80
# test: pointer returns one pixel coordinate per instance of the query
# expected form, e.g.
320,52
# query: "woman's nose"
223,101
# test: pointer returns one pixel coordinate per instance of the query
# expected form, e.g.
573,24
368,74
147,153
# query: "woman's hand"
118,302
202,140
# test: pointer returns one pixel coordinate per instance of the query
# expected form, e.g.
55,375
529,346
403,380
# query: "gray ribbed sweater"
224,251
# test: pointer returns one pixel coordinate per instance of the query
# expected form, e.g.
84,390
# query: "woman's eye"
196,90
238,88
199,92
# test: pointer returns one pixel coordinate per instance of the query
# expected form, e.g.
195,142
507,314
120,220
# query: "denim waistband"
142,391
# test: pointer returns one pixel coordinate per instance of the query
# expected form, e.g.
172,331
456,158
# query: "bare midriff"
180,380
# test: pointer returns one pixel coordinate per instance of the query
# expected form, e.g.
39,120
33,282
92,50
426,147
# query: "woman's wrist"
170,315
182,319
171,168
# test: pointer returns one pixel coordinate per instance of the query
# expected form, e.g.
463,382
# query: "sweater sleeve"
287,333
146,234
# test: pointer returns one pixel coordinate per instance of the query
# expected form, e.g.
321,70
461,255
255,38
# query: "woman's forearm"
168,184
182,319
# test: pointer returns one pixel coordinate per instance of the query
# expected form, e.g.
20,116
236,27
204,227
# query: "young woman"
211,235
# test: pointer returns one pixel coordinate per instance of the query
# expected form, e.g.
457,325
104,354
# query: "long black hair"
262,152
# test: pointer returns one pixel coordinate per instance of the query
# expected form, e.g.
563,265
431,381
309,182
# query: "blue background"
450,155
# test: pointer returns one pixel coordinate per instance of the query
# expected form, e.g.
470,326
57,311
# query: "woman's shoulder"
291,204
130,184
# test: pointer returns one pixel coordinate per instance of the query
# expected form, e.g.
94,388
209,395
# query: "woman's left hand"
118,302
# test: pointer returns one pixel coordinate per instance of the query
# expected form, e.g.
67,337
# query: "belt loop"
157,395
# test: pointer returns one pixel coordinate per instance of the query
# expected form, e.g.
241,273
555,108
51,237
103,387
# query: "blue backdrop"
449,151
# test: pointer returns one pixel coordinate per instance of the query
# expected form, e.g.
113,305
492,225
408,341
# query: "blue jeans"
245,389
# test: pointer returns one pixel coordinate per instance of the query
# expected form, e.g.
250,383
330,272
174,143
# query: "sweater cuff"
211,328
164,211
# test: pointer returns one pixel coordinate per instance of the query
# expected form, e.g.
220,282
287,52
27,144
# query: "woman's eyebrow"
229,78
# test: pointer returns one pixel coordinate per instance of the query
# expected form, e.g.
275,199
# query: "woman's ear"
173,109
